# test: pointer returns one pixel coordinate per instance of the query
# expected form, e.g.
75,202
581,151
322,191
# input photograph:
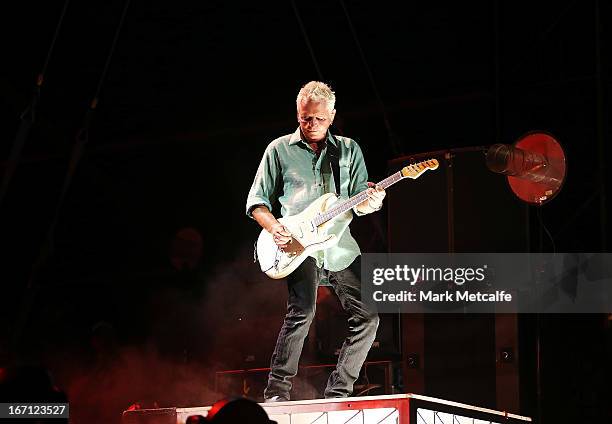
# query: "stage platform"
384,409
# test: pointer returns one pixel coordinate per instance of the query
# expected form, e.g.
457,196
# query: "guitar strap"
334,161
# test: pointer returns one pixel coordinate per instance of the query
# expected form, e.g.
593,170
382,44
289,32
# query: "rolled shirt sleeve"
266,180
358,173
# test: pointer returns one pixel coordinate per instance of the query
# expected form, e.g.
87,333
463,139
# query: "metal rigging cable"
82,136
81,139
395,143
307,40
28,116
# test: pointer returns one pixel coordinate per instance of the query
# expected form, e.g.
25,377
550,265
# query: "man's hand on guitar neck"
374,201
279,232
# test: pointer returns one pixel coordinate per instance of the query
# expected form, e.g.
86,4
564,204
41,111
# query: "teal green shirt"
293,174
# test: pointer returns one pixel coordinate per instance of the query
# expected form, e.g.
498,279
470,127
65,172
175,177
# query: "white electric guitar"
320,226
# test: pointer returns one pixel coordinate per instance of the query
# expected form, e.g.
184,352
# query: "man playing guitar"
296,169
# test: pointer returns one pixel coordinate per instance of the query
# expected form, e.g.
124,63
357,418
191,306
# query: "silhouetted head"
31,384
238,410
28,383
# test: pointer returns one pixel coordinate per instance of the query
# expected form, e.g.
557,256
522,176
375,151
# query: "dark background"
193,94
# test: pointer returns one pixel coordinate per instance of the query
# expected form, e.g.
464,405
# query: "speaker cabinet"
460,207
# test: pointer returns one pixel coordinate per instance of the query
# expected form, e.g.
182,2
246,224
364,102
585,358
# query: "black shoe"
276,399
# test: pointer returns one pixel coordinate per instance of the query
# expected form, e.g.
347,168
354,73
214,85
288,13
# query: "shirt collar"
296,137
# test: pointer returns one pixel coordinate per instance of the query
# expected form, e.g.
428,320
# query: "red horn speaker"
534,166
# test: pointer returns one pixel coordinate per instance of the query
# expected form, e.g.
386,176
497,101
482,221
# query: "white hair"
317,91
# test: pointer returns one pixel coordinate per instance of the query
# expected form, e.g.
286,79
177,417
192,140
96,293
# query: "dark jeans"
301,305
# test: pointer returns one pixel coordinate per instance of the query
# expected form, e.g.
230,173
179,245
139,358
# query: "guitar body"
307,238
333,218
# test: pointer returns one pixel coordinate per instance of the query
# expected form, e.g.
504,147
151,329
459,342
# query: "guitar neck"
348,204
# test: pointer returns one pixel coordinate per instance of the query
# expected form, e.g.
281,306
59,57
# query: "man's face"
314,119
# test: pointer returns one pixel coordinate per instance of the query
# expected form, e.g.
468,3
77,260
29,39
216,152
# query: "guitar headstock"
415,170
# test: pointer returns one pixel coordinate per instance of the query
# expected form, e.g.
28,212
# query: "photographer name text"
447,296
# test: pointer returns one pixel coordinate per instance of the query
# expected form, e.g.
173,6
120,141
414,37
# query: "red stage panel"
386,409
